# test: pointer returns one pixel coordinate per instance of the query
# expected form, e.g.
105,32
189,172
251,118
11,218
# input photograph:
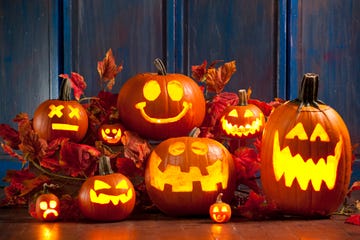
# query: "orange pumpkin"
306,155
61,117
220,212
47,207
109,197
160,106
242,121
111,133
184,175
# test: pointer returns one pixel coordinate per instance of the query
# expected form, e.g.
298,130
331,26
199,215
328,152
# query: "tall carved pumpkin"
61,117
184,175
160,106
306,155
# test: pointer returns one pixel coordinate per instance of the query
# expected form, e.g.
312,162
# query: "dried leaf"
108,70
78,83
216,79
353,219
10,136
199,72
135,148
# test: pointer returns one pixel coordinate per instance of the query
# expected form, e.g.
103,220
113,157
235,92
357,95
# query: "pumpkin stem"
65,90
159,64
308,92
242,97
218,199
104,165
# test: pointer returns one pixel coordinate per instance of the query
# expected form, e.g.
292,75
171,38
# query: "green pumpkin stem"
104,165
65,90
242,97
159,64
308,93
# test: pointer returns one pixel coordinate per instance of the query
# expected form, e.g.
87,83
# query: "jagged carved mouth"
180,181
239,131
115,199
291,167
142,105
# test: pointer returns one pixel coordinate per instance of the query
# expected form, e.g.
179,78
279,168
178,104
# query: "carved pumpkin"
61,117
109,197
184,175
220,212
47,207
306,154
111,133
242,121
159,106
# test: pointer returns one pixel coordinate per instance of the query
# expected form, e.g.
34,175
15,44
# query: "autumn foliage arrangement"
66,165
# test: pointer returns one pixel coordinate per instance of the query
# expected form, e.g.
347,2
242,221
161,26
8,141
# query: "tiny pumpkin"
160,106
183,175
47,207
220,211
107,197
111,133
242,121
306,154
61,117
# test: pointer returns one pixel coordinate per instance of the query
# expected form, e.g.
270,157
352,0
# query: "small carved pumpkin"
183,175
159,106
306,154
242,121
61,117
109,197
220,212
47,207
111,133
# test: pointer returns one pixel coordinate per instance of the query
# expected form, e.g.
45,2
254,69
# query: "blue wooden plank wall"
273,42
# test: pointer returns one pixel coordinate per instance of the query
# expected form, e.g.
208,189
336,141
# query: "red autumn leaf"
31,184
7,149
199,71
108,70
127,167
78,159
265,107
353,219
78,83
10,136
69,208
216,79
135,148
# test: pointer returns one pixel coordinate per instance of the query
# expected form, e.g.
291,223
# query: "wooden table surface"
16,223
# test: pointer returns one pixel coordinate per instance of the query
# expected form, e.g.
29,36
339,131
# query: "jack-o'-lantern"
220,212
109,197
184,175
111,133
242,121
306,154
47,207
61,117
160,106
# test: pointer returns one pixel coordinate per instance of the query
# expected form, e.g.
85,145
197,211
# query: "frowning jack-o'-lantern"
108,197
47,207
243,120
159,106
184,175
61,117
306,154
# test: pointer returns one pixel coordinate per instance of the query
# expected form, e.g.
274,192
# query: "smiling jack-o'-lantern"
47,207
220,212
109,197
184,175
159,106
111,133
242,121
306,154
61,117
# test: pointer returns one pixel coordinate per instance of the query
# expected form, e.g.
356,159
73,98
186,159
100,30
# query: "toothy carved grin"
142,105
305,171
184,181
105,199
239,131
111,139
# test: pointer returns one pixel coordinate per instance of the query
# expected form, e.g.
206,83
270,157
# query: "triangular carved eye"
233,113
248,113
122,185
320,133
98,185
297,131
215,209
224,209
